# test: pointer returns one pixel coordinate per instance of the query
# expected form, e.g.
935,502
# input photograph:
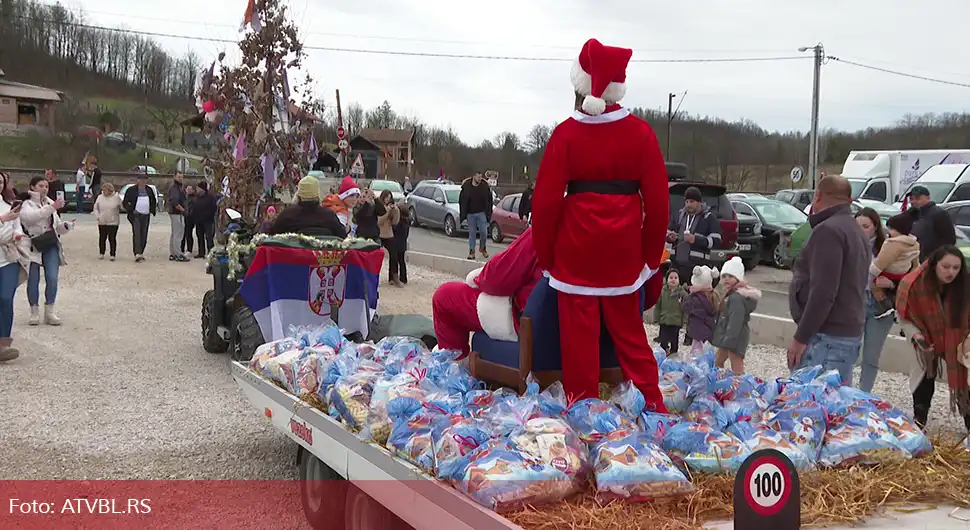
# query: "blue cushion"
543,309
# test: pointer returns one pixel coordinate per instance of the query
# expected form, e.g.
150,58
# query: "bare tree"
354,119
167,119
537,139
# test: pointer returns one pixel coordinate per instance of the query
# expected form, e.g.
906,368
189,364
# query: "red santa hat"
600,74
348,187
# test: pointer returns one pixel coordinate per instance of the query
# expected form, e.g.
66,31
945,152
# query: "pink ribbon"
464,441
432,406
418,373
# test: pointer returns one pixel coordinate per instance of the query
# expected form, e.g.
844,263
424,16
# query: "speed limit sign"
342,144
766,493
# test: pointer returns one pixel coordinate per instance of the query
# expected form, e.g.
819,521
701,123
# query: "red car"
505,219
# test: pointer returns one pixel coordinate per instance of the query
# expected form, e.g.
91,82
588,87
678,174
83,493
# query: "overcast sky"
480,98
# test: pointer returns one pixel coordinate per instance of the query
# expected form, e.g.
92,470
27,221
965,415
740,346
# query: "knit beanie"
308,189
693,194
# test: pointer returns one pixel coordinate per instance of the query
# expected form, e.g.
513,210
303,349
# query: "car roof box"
676,172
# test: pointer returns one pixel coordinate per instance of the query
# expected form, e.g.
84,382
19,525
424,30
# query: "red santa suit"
600,213
490,299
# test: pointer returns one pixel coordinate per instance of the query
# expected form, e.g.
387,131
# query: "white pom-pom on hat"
600,74
594,106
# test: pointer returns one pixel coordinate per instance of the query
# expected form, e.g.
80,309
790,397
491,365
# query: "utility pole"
670,119
340,123
819,51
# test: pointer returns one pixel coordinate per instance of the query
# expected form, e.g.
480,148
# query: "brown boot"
484,253
7,353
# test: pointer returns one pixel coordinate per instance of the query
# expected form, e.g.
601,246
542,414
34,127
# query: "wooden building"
24,106
394,152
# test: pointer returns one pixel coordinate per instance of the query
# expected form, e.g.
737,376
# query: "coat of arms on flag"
328,283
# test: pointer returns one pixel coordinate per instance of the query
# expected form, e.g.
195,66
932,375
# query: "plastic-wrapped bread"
633,468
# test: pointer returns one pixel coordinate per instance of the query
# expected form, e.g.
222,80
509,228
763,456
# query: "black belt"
605,187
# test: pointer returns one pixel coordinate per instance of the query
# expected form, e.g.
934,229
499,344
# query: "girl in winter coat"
898,256
38,215
401,231
107,211
669,312
701,308
732,331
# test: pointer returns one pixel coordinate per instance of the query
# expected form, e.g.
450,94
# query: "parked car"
800,198
505,219
436,205
119,141
391,185
70,199
959,212
148,170
716,199
158,196
778,221
749,240
745,195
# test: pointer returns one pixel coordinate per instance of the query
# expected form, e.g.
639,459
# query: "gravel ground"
123,390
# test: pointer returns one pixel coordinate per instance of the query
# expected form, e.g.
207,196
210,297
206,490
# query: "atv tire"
244,335
211,341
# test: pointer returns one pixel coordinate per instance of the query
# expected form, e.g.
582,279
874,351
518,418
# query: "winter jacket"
176,197
525,204
107,209
14,251
401,233
204,208
732,331
37,216
898,256
933,228
669,309
705,226
335,204
130,200
830,276
365,217
701,316
307,217
387,222
474,199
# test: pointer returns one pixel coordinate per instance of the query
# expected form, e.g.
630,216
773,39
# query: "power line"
416,54
899,73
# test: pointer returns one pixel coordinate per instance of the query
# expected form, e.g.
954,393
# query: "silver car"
397,192
436,205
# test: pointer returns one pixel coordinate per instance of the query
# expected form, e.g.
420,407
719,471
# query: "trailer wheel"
364,513
244,335
211,341
323,493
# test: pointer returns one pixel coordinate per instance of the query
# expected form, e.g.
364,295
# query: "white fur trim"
607,117
470,279
348,193
564,287
583,83
594,105
495,315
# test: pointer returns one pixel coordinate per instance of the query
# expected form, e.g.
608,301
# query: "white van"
884,175
946,183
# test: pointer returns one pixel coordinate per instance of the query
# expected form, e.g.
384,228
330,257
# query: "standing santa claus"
599,219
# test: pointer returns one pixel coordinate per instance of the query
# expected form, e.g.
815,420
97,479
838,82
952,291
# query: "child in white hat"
732,332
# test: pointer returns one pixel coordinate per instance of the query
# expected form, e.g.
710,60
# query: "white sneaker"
34,316
101,256
112,258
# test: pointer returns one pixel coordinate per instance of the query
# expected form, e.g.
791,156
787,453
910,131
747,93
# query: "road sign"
340,133
766,493
343,144
797,173
493,182
357,168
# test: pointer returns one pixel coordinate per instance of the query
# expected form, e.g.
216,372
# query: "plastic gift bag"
656,425
860,436
748,409
735,387
454,438
508,415
908,434
503,478
830,379
705,450
555,443
267,351
350,397
632,467
758,436
397,348
803,423
476,401
628,399
311,368
279,368
593,419
673,387
707,410
411,436
412,384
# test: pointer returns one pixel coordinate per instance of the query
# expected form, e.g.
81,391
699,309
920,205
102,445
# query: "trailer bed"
415,497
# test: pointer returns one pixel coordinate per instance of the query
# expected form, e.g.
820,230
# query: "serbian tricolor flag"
299,287
251,18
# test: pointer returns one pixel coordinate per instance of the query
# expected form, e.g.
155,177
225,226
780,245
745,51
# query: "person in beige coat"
14,263
386,224
38,215
107,210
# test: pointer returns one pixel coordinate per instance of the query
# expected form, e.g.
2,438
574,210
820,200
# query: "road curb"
765,329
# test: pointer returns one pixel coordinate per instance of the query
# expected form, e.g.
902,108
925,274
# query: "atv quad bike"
227,322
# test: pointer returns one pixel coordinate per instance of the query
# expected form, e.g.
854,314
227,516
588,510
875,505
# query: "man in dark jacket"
54,185
693,232
475,205
829,279
204,216
176,213
187,239
932,226
525,203
141,204
307,216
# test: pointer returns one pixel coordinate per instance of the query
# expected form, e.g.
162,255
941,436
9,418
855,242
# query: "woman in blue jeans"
13,257
38,215
877,329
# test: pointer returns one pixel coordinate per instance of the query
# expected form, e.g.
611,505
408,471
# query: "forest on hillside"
48,44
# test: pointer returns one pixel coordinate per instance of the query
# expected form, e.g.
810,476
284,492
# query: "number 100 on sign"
768,487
